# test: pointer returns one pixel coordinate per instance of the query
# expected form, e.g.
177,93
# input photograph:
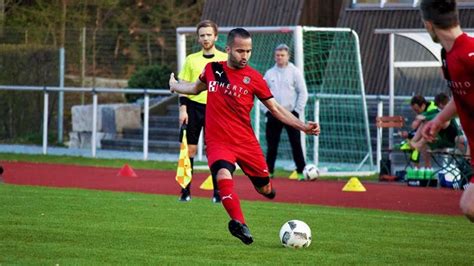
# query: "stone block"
127,116
82,140
111,118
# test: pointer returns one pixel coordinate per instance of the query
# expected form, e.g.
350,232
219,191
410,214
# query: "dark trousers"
273,132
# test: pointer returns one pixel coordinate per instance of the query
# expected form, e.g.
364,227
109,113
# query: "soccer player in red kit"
441,20
232,86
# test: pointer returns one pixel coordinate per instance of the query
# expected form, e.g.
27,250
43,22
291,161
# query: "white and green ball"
295,234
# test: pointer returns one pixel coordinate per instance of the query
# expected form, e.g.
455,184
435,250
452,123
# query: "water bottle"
410,173
429,173
421,173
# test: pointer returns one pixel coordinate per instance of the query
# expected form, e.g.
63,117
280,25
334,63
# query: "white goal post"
298,54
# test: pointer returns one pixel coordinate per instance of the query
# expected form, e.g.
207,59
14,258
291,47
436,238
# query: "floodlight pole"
61,94
146,118
94,122
45,120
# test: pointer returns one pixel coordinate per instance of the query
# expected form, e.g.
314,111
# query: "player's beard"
433,36
208,46
236,63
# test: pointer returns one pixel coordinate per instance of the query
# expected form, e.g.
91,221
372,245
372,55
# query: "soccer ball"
295,234
311,172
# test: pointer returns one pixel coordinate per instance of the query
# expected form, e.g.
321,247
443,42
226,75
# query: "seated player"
449,136
422,108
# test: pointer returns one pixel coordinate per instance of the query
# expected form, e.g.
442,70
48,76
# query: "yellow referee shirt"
193,66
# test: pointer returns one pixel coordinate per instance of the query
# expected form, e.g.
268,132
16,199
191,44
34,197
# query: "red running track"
383,196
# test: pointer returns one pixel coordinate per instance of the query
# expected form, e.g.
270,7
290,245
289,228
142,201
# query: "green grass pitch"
51,226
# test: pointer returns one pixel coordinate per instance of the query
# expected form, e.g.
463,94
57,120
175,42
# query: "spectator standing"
288,87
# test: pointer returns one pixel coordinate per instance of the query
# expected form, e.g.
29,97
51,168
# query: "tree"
149,77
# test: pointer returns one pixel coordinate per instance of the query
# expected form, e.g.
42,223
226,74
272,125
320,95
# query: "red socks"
230,200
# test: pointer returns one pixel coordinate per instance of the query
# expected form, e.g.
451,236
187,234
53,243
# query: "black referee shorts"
196,116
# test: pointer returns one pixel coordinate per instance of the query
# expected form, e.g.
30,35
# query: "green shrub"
28,65
34,65
150,77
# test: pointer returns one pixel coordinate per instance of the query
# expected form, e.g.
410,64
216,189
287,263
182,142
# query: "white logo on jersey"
227,197
246,80
470,54
220,74
212,86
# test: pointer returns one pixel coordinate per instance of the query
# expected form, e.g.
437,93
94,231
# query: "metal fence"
92,58
94,93
103,53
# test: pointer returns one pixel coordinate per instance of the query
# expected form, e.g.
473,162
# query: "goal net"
330,61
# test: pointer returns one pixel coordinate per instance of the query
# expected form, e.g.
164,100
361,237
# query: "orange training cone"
127,171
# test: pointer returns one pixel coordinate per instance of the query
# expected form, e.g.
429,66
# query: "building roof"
364,21
321,13
375,48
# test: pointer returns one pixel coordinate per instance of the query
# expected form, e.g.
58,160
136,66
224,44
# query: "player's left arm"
311,128
186,88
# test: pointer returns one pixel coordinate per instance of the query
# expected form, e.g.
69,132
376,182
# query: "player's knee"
222,169
468,210
467,206
259,182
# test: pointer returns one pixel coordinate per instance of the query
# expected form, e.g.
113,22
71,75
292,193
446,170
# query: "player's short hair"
282,47
207,23
441,99
442,13
418,100
237,32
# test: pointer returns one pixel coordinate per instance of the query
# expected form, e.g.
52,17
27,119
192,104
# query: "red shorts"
248,156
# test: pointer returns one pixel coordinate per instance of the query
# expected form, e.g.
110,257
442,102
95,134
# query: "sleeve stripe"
201,79
264,99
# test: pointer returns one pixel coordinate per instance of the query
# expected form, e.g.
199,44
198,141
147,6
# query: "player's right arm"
185,75
432,128
186,88
285,116
183,107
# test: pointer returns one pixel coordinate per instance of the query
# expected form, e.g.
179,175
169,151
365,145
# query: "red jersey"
458,67
230,98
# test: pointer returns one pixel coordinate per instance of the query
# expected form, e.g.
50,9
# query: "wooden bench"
390,121
387,122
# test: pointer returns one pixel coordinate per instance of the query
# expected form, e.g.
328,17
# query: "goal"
330,61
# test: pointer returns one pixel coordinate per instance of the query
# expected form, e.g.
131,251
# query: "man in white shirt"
288,87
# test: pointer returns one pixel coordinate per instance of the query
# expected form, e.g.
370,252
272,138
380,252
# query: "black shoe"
216,198
241,231
185,195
